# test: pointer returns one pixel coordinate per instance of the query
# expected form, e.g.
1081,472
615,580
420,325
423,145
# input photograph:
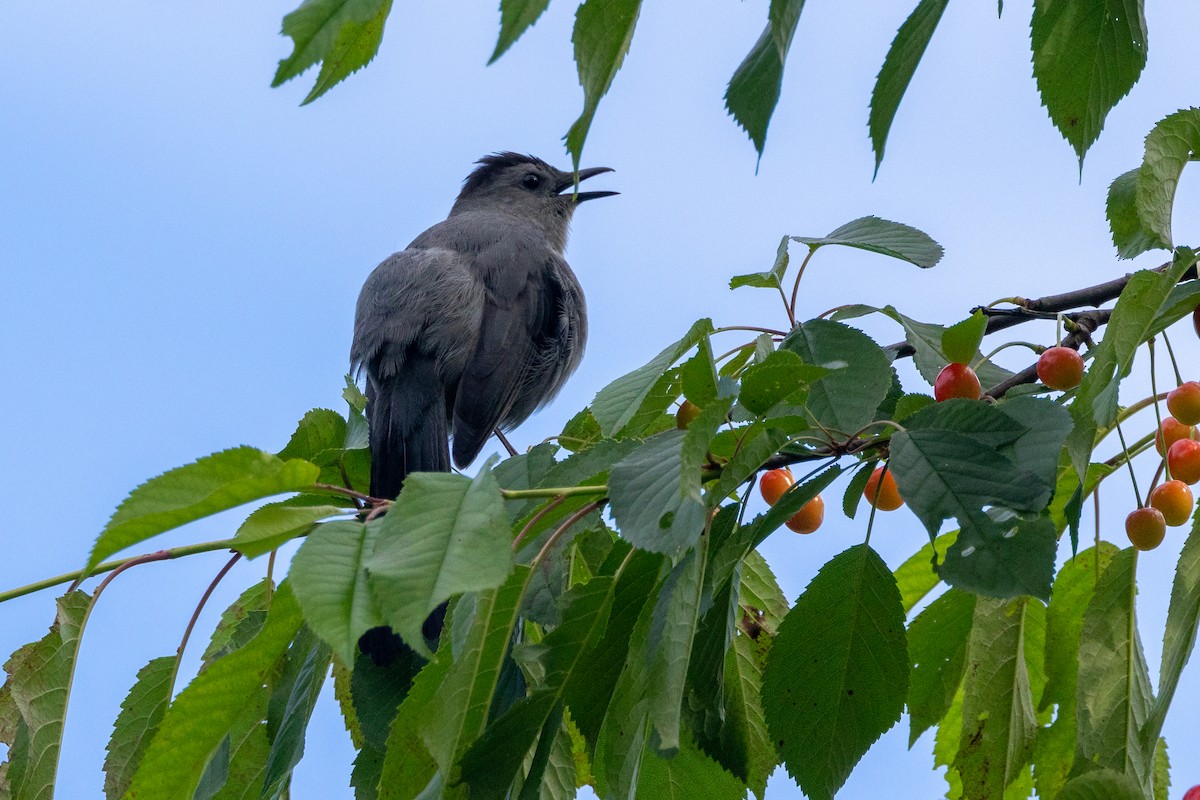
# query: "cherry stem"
1157,414
512,451
566,525
1174,363
752,328
1137,496
542,512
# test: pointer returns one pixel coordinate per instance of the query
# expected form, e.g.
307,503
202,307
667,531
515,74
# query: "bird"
474,326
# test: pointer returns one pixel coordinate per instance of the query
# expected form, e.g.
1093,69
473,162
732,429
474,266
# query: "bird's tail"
407,417
408,426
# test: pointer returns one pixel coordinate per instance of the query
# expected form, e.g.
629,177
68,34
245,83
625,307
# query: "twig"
512,451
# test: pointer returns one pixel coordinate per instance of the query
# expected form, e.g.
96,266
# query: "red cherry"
1184,403
1183,458
957,380
1172,430
1194,792
1061,368
1174,499
1145,528
808,518
774,483
889,494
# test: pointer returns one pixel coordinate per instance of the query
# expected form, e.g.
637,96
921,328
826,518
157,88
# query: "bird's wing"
520,315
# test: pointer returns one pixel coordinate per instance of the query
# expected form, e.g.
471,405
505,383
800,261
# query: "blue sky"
181,248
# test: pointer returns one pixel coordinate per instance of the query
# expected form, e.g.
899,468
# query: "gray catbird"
475,325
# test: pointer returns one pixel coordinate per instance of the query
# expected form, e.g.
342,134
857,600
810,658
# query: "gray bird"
476,324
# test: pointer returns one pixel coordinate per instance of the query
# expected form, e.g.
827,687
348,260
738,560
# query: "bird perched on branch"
475,324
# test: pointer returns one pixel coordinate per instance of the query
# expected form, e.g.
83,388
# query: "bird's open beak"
583,174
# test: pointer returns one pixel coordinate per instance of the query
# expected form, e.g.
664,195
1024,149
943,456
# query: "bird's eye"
531,181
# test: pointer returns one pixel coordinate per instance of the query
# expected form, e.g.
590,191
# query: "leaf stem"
566,524
796,285
109,566
542,512
553,491
751,328
187,632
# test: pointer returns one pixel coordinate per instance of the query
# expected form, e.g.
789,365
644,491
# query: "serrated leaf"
202,714
744,736
38,684
1129,234
1095,404
687,775
1100,784
960,342
603,31
1162,771
312,659
1172,143
917,576
343,35
1087,55
937,649
1113,693
894,239
782,375
1073,590
330,582
753,90
516,17
407,766
676,620
580,432
846,398
772,278
945,746
239,623
616,403
319,430
1179,636
897,71
446,534
652,507
492,762
837,674
214,483
458,713
998,722
271,525
141,712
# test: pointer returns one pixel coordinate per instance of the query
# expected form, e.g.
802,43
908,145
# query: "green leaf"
926,341
688,775
516,16
937,649
303,687
446,534
744,736
457,715
1113,693
603,31
960,342
211,484
1087,55
776,379
772,278
897,71
945,746
998,722
492,762
748,537
1129,233
318,431
917,576
239,623
1179,637
1100,784
846,398
271,525
1174,141
588,693
894,239
753,90
651,503
39,682
142,711
408,767
669,645
202,714
330,583
1095,404
837,674
342,34
616,403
